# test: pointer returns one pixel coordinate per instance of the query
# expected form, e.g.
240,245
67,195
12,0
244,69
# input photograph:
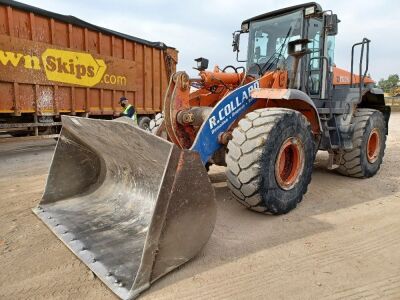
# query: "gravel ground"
342,241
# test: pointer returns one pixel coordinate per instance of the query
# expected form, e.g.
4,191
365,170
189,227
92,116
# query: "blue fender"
223,115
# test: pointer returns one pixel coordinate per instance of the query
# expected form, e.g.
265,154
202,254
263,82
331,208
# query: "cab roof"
284,11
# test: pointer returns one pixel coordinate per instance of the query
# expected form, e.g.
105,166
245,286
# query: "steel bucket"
129,204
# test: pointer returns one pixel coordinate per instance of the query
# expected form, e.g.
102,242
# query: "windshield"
268,42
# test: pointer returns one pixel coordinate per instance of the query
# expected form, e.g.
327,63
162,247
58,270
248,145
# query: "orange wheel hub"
289,163
373,146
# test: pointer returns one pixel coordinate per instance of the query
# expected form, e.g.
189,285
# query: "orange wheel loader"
133,205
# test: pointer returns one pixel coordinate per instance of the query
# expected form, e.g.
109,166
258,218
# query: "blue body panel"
227,110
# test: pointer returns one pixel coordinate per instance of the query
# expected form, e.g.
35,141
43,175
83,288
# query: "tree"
390,84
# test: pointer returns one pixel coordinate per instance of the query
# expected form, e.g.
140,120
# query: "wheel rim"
146,126
289,163
373,146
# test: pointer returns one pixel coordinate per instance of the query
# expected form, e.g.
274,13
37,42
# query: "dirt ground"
342,242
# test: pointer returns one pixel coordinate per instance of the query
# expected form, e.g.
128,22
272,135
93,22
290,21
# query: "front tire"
369,142
270,160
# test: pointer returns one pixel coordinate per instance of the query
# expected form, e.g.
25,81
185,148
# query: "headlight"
309,10
202,63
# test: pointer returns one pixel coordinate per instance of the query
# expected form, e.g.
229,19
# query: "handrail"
364,42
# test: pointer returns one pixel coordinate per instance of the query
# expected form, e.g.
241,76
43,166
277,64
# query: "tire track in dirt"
248,281
387,288
342,245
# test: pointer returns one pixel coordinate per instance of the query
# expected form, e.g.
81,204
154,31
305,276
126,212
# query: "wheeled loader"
133,205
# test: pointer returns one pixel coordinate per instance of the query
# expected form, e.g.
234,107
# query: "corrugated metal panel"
48,67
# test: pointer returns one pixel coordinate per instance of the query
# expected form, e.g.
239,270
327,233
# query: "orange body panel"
216,77
342,77
214,86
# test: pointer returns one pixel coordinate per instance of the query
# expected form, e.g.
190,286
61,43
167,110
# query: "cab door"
314,78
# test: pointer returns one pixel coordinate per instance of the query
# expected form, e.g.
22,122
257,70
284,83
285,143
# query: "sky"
204,28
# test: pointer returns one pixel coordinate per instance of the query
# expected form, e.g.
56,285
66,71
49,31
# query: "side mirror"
236,41
331,24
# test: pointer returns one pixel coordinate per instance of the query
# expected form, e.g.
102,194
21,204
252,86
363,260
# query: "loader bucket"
129,204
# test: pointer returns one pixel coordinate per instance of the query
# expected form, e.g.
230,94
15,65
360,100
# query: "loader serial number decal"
223,115
64,66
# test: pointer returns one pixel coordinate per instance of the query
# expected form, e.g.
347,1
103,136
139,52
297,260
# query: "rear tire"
270,160
369,142
144,123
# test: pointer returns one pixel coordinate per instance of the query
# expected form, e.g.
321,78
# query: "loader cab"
270,34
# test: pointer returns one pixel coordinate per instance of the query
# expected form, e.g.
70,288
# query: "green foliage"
391,84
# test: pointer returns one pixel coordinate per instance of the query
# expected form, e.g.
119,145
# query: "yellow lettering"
80,71
13,58
31,62
90,71
51,63
113,79
72,67
121,80
106,77
65,66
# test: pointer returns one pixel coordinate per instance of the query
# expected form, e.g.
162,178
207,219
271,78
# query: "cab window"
314,63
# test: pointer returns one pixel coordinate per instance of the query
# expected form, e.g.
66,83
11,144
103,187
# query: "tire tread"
243,168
